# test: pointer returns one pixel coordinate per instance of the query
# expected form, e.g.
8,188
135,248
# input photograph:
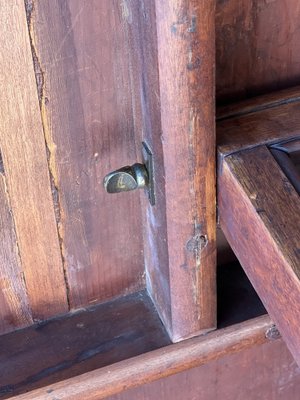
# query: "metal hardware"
136,176
126,179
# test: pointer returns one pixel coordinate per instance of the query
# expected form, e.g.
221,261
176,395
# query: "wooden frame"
259,210
180,231
165,51
158,364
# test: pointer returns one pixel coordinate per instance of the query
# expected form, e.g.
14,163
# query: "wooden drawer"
259,207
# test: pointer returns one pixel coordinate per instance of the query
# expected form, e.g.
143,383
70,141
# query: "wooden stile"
174,54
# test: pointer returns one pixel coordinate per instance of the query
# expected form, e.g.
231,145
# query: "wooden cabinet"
106,295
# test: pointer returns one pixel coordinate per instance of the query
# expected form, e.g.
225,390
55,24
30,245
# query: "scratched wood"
185,357
258,47
260,215
265,371
14,308
23,150
87,114
186,52
173,94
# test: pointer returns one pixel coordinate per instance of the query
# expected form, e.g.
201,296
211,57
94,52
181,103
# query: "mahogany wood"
23,151
88,339
180,229
262,127
259,103
82,67
259,213
266,372
157,364
288,167
258,47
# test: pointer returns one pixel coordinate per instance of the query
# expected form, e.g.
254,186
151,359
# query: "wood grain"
24,156
184,290
258,47
87,114
288,167
14,308
259,103
259,214
157,364
86,340
261,372
262,127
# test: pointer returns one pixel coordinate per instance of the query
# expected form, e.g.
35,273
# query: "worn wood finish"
158,364
259,103
265,371
262,127
83,61
288,167
258,47
259,214
24,156
181,268
90,339
14,308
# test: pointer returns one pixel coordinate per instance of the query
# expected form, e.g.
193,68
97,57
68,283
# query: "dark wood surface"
159,364
88,339
27,182
259,213
237,299
258,47
82,68
265,372
177,63
262,127
259,103
288,166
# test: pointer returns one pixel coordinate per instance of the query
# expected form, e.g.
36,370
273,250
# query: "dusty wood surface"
87,340
23,150
262,127
14,308
85,96
261,372
184,289
158,364
259,213
258,47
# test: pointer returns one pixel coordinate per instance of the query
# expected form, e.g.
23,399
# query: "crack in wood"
50,145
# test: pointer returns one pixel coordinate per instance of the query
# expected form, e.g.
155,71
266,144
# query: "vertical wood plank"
25,163
185,35
87,111
14,308
172,78
257,47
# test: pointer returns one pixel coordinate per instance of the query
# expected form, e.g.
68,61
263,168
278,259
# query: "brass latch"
136,176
